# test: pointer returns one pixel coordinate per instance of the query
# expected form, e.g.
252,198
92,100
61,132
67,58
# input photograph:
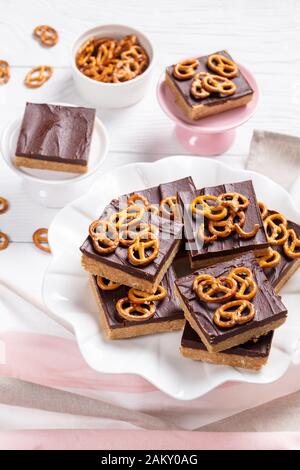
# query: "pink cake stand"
212,135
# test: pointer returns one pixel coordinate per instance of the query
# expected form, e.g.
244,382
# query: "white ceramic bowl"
112,95
55,188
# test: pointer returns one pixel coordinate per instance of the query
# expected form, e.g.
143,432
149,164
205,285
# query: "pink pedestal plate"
212,135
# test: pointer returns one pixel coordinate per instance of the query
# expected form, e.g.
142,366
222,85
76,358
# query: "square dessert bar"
251,355
268,312
168,315
116,266
279,274
198,105
202,252
55,137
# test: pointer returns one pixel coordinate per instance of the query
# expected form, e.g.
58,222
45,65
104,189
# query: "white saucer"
55,188
69,299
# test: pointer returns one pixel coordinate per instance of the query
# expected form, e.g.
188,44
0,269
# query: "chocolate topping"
169,232
233,243
167,309
267,304
259,348
56,133
278,272
242,86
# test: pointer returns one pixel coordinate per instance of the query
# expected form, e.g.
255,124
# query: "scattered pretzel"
4,72
40,239
291,245
106,284
185,69
152,209
246,286
212,211
197,90
263,210
128,236
4,204
142,252
222,65
104,236
235,201
4,241
221,228
110,60
232,313
169,207
217,84
137,197
37,76
205,238
209,290
127,217
201,278
276,228
140,297
243,234
47,35
135,312
269,260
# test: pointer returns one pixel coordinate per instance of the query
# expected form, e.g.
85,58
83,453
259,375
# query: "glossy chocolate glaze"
119,259
56,133
259,348
267,304
233,243
167,309
278,272
184,86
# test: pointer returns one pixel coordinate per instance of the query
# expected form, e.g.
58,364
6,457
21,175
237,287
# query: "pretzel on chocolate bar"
204,237
222,65
169,207
137,197
143,250
270,259
235,201
276,228
128,236
291,246
127,217
197,90
104,236
106,284
243,234
185,69
217,84
135,312
233,313
263,209
213,211
246,286
209,290
137,296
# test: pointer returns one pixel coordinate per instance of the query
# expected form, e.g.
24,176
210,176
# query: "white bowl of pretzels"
111,65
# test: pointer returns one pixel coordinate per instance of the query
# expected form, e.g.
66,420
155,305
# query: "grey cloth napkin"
278,157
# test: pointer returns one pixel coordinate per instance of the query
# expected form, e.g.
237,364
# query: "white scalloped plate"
156,358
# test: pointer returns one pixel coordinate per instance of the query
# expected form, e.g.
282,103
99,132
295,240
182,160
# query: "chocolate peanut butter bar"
251,355
225,314
167,316
199,96
206,247
55,137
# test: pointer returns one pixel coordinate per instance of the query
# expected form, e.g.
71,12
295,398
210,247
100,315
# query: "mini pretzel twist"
221,228
47,35
222,65
125,70
135,312
104,236
169,207
269,260
246,286
197,90
276,228
205,238
235,201
140,297
209,290
263,209
128,236
291,246
201,278
37,76
106,284
217,84
40,239
137,197
4,204
214,211
127,217
4,241
142,252
233,313
4,72
243,234
185,69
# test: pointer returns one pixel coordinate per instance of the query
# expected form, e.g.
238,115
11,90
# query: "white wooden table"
262,35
